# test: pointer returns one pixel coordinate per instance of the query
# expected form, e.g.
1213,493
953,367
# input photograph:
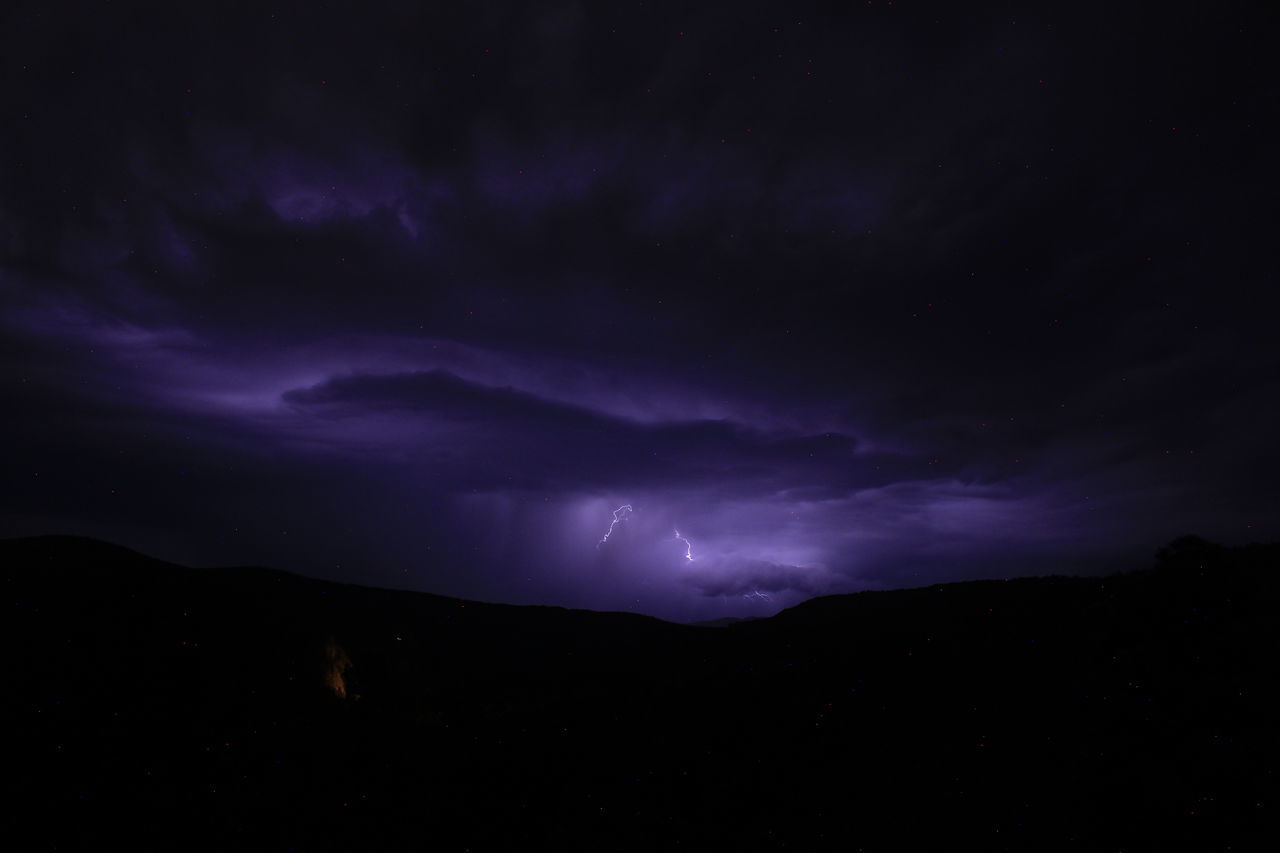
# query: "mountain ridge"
278,711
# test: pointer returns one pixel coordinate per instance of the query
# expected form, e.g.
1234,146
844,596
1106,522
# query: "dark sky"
852,295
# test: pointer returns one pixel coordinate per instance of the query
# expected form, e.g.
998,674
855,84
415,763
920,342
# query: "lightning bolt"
757,594
619,514
688,547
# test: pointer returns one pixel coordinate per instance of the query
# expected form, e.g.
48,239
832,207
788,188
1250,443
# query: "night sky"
852,296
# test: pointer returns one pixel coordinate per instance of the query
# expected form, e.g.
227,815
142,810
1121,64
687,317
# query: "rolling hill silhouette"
162,707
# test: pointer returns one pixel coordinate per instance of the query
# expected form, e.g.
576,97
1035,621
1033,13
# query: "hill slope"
251,709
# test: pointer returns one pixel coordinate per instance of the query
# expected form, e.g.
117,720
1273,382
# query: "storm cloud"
420,296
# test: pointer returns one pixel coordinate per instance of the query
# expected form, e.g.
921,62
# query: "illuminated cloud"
403,312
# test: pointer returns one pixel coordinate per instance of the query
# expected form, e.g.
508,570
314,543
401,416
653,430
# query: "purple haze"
423,303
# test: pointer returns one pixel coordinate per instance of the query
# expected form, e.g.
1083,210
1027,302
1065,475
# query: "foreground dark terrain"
152,706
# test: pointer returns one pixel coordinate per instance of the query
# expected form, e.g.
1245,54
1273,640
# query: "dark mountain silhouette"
153,706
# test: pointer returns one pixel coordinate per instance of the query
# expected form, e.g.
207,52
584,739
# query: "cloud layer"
421,297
